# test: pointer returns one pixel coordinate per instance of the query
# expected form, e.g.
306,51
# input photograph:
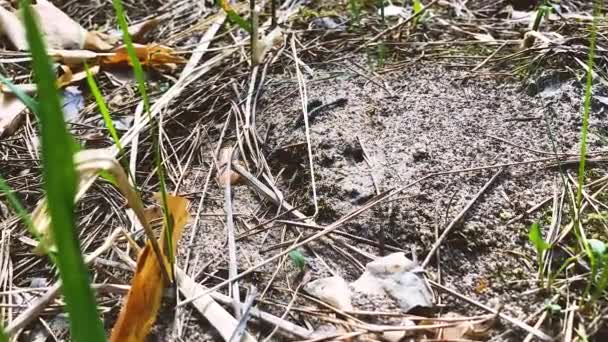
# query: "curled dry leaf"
153,55
144,298
226,175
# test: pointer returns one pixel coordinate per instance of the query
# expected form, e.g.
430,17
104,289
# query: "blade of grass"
60,185
17,206
583,153
103,108
587,106
141,84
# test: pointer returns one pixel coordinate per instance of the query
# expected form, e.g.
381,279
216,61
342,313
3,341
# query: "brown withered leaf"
144,298
153,55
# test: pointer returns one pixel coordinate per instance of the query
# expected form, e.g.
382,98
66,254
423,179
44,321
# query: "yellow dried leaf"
144,298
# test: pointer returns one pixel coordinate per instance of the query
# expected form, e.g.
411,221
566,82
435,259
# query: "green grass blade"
103,108
17,206
587,107
141,84
60,181
137,68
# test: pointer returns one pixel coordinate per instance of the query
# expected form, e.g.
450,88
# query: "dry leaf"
139,31
90,162
153,55
11,27
98,41
226,176
68,77
144,298
73,57
272,39
28,88
60,31
11,112
466,330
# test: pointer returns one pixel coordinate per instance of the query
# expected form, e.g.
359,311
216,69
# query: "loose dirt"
370,133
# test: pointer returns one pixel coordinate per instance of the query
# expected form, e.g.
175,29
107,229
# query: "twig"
232,270
457,219
304,101
489,57
240,328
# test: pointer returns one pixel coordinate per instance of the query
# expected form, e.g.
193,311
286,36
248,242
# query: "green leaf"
60,182
297,259
536,238
417,6
3,337
108,177
552,307
235,18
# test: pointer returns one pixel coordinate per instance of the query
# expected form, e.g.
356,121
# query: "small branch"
457,219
